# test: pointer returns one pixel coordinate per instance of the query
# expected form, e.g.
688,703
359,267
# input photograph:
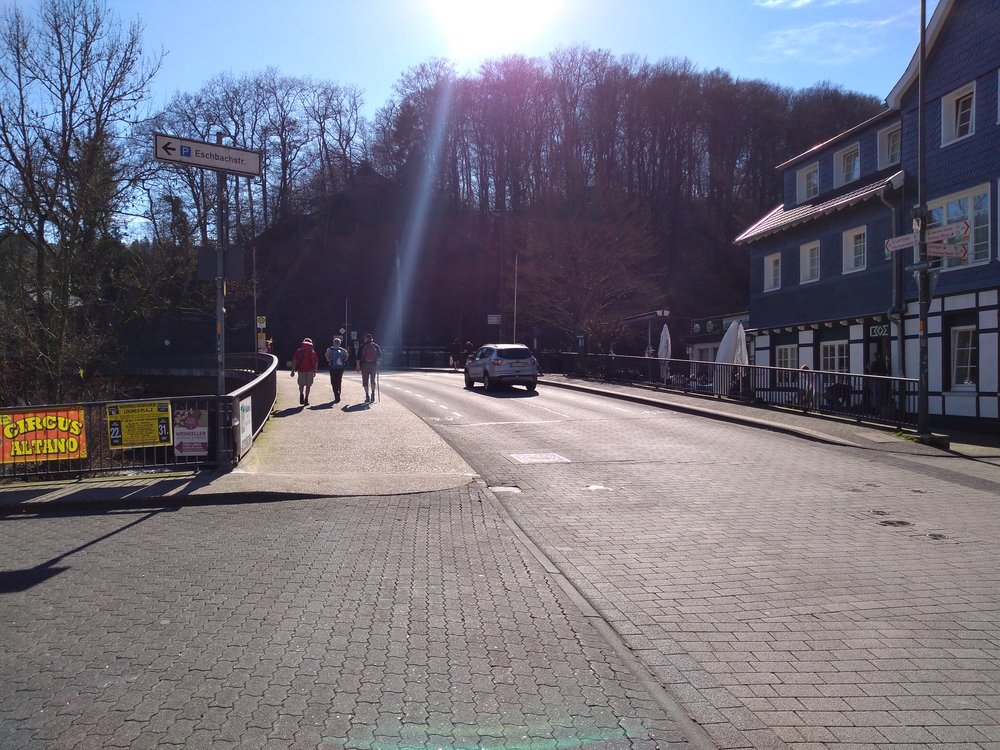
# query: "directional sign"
921,265
902,242
948,231
949,251
239,161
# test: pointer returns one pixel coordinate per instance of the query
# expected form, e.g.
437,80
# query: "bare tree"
71,83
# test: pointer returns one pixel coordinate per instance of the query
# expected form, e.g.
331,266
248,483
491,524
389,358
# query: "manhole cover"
539,458
894,524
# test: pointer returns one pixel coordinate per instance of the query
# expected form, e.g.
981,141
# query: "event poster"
191,432
139,424
42,435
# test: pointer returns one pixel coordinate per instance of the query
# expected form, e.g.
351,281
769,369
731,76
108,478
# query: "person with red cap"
304,362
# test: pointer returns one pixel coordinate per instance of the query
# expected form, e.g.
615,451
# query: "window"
809,262
890,143
958,114
807,183
772,272
835,356
787,356
964,358
855,249
848,165
973,207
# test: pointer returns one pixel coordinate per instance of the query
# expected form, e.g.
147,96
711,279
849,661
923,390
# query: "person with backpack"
304,362
336,359
369,358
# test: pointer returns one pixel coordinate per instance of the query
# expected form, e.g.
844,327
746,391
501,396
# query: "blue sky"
864,45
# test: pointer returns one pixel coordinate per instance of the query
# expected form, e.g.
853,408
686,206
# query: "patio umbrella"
663,351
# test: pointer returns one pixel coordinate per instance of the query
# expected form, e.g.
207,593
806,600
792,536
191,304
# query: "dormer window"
958,114
848,165
807,183
889,146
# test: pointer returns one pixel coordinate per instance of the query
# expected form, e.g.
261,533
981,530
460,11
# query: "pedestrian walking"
456,354
304,362
368,360
336,360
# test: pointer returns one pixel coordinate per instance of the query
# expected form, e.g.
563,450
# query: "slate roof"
782,218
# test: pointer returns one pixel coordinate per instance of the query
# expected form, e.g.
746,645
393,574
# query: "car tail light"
496,361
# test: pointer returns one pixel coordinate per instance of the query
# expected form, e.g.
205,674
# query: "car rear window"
513,352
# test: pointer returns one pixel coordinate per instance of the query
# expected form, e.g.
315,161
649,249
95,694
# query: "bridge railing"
872,398
142,435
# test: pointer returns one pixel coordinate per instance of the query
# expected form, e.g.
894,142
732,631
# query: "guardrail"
871,398
141,435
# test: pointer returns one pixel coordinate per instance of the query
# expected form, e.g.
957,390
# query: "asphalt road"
784,591
616,570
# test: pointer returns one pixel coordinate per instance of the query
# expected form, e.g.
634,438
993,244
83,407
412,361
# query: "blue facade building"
825,289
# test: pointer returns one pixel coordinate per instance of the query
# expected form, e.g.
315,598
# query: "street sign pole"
923,287
220,311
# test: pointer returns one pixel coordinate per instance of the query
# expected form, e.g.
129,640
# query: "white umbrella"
663,351
741,357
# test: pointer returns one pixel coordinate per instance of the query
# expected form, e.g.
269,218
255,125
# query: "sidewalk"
352,449
321,450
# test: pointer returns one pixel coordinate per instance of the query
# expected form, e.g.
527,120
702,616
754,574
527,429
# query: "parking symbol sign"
185,151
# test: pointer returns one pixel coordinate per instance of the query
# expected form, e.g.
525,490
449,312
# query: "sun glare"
477,29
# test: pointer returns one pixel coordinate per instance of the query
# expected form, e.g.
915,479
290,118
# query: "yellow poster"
139,424
42,435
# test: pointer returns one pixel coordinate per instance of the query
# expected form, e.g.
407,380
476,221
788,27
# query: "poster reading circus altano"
42,435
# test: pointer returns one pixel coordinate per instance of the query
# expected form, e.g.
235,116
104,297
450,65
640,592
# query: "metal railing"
61,441
871,398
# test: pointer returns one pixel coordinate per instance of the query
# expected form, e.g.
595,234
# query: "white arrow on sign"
239,161
902,242
948,231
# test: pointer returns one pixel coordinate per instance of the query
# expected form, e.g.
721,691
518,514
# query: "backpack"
305,360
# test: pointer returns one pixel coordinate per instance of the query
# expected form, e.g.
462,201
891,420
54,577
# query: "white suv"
502,364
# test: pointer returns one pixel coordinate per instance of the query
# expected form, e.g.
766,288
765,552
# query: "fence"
141,435
872,398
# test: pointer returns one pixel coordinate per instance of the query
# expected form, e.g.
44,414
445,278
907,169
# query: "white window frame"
850,246
840,175
787,356
835,356
808,269
949,114
979,233
802,182
772,272
885,156
961,381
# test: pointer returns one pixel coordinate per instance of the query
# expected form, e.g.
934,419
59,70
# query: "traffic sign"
261,322
949,251
178,150
902,242
948,231
921,265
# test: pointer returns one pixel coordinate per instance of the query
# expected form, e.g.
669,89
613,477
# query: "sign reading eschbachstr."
215,156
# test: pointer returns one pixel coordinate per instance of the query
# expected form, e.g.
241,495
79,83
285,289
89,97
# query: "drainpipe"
896,310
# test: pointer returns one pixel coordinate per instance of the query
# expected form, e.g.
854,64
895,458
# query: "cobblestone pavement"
787,593
367,622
